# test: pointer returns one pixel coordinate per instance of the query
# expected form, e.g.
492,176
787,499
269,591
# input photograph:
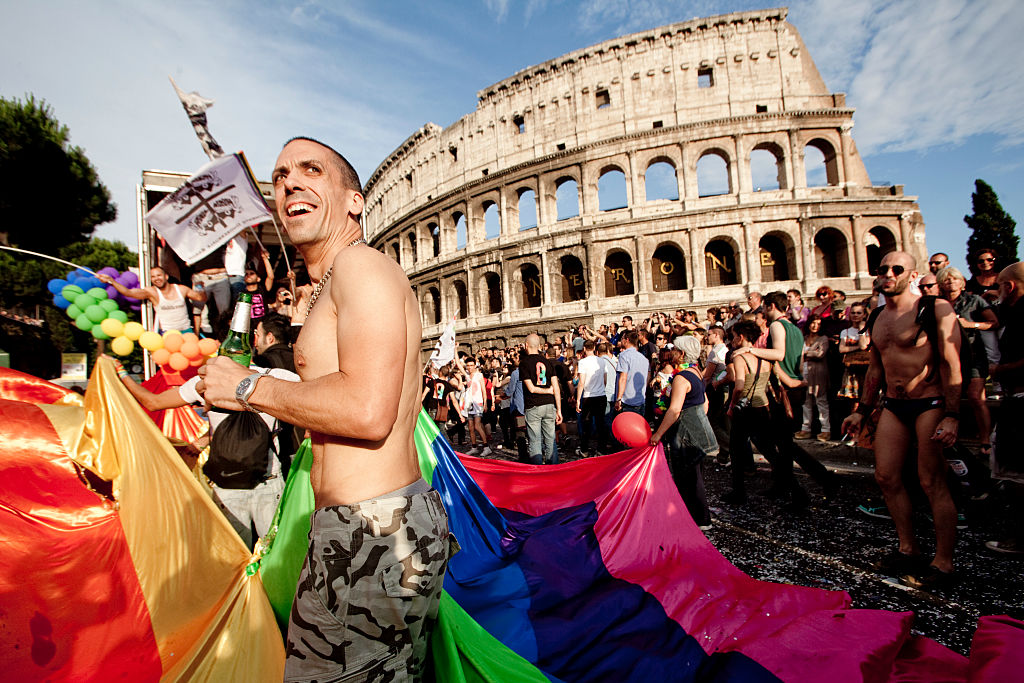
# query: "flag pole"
52,258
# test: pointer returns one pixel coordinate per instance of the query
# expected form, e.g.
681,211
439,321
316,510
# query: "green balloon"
84,301
97,333
118,315
97,293
95,313
74,311
108,305
83,323
70,292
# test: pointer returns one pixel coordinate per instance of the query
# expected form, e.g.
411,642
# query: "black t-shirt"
975,287
564,377
260,304
541,372
438,394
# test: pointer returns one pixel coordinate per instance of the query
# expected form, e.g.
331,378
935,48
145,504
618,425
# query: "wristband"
865,410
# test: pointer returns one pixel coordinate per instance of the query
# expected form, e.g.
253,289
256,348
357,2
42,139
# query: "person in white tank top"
167,299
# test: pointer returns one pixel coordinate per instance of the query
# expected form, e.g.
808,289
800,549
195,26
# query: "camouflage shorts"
368,592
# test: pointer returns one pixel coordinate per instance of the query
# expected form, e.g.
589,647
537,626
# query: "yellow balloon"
112,328
151,340
122,345
133,330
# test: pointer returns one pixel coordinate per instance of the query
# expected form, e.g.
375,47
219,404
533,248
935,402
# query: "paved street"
833,546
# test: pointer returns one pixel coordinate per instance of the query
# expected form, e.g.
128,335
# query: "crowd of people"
888,371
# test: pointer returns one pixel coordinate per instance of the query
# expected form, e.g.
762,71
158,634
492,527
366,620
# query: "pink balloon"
631,430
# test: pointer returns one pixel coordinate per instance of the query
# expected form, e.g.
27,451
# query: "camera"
742,403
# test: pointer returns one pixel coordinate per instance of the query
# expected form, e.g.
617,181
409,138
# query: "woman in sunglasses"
826,298
985,282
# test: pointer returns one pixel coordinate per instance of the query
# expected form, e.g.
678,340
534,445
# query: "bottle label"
959,467
240,320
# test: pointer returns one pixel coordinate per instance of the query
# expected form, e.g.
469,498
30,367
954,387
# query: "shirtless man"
922,399
168,300
369,589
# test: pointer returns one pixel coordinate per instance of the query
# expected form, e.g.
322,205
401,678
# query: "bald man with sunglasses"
922,400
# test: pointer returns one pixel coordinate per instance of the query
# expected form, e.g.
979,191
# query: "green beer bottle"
236,345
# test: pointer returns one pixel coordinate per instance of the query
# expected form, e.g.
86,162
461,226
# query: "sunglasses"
884,270
935,263
822,295
924,286
986,260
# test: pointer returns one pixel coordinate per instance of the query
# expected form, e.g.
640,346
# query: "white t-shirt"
188,393
234,255
609,377
592,378
718,354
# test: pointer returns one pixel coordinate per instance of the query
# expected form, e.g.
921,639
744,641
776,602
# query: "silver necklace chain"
327,276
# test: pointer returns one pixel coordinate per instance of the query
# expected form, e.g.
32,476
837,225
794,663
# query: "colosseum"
679,167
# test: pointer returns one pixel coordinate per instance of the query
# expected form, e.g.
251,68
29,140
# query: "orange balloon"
197,361
173,341
178,361
161,356
190,349
190,336
208,347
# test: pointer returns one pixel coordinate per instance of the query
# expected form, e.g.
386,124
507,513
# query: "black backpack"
239,450
929,325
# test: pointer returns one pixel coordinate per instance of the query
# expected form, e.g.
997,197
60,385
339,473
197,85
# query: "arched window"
660,182
720,263
611,189
412,245
776,252
435,238
460,300
618,274
432,306
766,168
492,292
668,269
396,253
460,230
574,286
830,253
879,241
527,209
820,164
531,285
713,174
567,198
492,221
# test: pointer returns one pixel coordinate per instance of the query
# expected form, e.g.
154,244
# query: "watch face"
243,387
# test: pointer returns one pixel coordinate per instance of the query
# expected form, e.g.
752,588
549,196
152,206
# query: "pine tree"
991,226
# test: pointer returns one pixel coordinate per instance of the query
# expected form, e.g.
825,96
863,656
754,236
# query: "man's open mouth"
299,209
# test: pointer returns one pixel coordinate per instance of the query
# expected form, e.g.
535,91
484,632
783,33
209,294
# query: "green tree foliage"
991,226
50,195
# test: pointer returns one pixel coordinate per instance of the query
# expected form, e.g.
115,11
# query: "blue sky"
938,85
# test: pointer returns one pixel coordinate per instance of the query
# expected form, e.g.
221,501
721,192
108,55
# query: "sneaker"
961,521
898,564
704,527
802,435
486,451
879,511
473,450
825,436
1007,547
930,578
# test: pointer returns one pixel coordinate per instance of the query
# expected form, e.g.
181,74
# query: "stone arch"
668,268
490,293
461,230
777,256
458,299
878,241
660,181
435,238
618,273
492,219
611,189
831,255
713,176
821,166
413,246
431,306
767,167
567,198
720,262
527,203
396,252
574,284
531,287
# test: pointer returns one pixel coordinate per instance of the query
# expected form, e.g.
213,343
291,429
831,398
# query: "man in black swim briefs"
922,384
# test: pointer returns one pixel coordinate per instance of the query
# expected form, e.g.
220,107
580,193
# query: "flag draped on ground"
590,570
218,202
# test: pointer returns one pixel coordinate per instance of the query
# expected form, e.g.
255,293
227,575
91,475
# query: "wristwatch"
244,390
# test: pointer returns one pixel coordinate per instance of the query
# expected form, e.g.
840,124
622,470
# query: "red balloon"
631,430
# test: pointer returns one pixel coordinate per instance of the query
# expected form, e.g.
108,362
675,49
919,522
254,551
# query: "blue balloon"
60,302
55,285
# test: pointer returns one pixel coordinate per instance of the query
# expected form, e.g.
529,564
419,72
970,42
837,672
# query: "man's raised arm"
143,293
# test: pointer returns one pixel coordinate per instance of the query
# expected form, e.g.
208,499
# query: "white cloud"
499,8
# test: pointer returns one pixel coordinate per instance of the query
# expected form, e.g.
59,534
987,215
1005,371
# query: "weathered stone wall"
447,203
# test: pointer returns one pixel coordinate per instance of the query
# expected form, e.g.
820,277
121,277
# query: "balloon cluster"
85,281
94,307
176,350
